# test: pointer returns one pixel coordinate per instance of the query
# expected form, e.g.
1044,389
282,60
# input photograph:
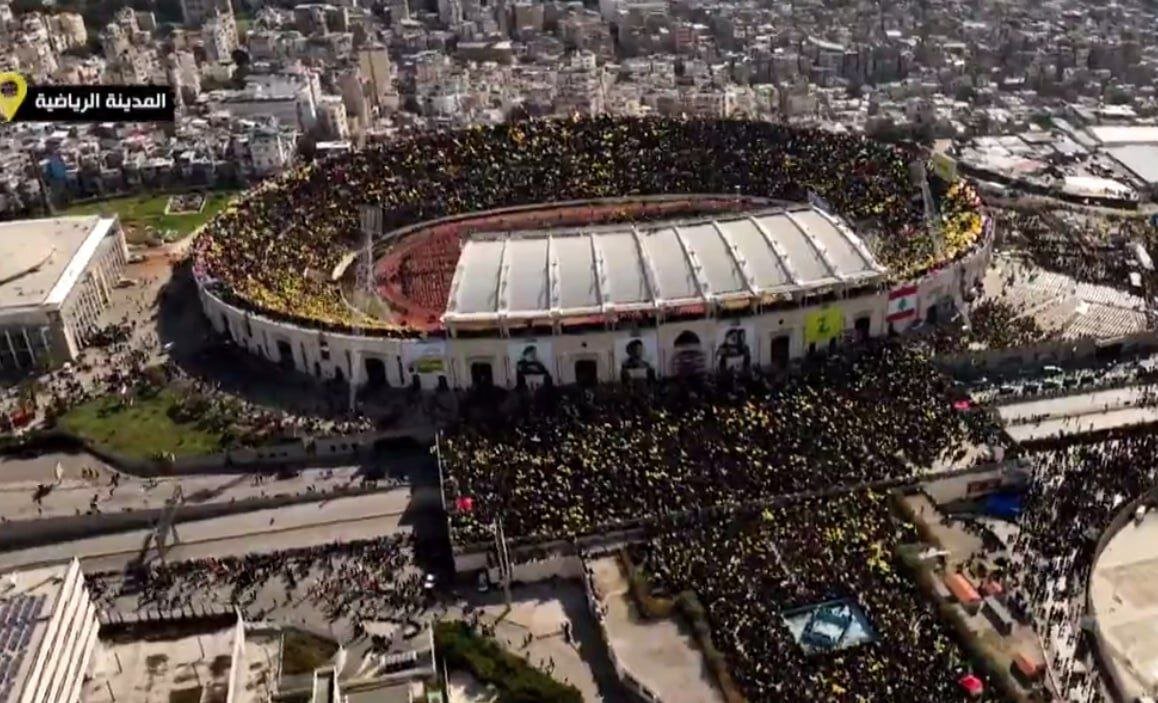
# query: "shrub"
516,680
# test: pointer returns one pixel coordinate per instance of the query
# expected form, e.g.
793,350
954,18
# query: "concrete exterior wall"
347,354
554,566
331,355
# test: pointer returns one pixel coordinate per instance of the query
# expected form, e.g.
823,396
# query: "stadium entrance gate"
586,373
481,375
862,326
375,372
285,354
781,351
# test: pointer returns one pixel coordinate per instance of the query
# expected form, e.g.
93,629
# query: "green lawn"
514,677
302,652
139,212
141,431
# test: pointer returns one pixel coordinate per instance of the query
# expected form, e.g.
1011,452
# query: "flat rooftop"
1111,135
182,664
1124,593
1139,159
27,599
40,260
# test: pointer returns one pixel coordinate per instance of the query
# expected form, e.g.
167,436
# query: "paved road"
1082,423
302,525
74,494
1075,405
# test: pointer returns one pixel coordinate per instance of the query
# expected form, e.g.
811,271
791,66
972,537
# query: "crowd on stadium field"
278,246
607,457
747,572
361,581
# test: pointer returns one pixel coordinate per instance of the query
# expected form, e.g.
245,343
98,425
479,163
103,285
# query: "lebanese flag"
902,303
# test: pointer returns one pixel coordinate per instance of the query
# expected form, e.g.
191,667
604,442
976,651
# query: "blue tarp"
1006,505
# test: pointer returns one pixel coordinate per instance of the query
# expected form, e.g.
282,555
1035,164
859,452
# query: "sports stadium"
586,251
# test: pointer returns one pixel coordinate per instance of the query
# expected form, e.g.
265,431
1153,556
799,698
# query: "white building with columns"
56,280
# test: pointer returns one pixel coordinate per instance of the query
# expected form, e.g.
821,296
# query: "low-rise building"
49,627
56,279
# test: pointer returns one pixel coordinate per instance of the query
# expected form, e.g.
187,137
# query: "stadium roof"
771,254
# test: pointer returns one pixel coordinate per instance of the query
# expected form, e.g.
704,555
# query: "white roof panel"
836,248
625,284
578,283
710,249
674,277
666,264
802,258
526,276
477,277
767,271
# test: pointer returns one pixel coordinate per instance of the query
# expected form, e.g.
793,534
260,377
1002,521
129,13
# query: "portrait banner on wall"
822,325
635,356
687,357
734,349
425,357
531,363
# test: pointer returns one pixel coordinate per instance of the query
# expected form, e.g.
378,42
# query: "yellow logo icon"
13,89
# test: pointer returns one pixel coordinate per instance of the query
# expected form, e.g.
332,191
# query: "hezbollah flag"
823,324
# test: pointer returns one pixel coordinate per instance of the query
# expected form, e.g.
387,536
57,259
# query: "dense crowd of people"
608,457
749,571
1090,249
1076,491
360,581
993,324
278,247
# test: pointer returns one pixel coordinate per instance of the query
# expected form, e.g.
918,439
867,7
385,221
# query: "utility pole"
504,558
371,217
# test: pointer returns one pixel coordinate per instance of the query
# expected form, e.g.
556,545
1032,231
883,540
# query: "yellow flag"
824,324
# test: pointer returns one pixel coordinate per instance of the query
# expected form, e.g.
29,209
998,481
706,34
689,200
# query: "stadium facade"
631,300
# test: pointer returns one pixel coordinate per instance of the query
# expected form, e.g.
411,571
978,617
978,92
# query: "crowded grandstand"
274,268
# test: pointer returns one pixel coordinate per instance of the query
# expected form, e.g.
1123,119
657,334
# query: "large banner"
636,357
425,358
735,349
687,357
823,325
944,167
531,363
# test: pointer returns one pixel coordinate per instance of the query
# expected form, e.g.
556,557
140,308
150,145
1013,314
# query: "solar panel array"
18,616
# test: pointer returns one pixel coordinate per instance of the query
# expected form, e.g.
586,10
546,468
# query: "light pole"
504,559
